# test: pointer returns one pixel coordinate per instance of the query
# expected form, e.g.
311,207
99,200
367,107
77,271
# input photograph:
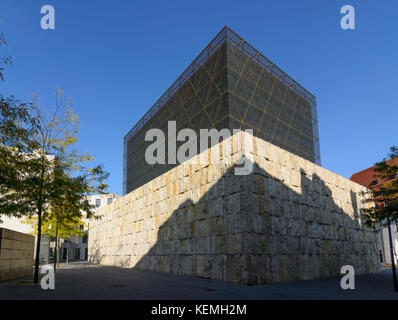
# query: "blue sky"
116,58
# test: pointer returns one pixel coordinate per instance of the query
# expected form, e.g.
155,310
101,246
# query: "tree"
375,213
58,225
16,123
383,201
41,170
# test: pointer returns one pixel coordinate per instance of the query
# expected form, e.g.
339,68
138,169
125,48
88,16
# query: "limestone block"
218,264
233,268
231,223
234,243
204,266
219,246
234,203
203,245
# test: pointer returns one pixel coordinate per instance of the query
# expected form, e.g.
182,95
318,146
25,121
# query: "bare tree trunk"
37,262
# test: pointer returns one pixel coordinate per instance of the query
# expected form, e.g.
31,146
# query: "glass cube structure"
229,85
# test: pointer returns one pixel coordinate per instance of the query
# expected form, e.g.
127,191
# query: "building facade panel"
276,113
201,102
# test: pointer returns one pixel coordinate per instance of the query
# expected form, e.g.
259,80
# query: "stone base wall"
16,254
287,220
304,222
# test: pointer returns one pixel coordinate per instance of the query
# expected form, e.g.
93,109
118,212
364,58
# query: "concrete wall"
16,254
17,224
288,220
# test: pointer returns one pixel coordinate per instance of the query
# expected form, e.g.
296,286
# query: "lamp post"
56,247
394,274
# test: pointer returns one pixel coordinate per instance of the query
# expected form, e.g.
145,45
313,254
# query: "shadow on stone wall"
95,254
255,229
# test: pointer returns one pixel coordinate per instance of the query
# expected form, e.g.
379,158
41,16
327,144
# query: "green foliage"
40,167
41,171
375,213
16,124
66,229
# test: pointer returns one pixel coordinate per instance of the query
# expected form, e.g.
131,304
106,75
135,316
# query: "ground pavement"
85,281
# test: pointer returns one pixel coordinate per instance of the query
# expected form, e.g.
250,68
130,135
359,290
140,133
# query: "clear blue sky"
115,59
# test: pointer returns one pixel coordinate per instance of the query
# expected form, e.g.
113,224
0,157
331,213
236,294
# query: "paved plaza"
85,281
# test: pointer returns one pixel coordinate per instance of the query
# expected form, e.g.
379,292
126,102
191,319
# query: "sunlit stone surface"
288,220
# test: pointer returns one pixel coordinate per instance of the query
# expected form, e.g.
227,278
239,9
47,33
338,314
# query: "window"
374,182
110,200
84,240
98,203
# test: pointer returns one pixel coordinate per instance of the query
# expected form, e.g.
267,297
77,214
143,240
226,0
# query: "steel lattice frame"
205,94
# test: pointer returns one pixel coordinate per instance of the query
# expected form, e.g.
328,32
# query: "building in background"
233,86
72,249
75,248
367,178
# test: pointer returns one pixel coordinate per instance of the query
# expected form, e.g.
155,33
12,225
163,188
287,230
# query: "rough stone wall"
16,254
288,220
304,222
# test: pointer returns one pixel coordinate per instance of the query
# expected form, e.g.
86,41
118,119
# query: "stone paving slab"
84,281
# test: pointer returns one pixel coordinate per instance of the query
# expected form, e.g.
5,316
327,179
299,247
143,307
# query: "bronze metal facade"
229,85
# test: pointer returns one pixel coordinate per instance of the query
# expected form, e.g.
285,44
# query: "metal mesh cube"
229,85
